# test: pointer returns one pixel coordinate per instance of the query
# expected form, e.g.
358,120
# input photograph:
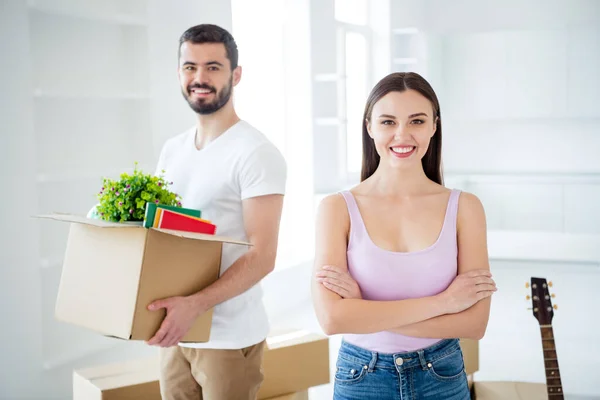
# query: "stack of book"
177,218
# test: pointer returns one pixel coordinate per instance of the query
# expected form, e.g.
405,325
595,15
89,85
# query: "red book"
181,222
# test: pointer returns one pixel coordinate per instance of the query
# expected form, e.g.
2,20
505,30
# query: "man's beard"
201,106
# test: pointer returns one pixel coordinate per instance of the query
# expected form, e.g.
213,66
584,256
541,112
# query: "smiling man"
237,177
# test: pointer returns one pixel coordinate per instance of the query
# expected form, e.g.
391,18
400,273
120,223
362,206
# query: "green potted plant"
124,200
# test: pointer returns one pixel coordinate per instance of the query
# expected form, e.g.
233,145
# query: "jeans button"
399,361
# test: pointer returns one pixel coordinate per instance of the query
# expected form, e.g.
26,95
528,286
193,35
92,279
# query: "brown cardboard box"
470,349
496,390
293,362
112,272
303,395
510,391
133,380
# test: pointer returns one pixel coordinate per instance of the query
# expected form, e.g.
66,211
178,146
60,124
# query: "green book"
151,212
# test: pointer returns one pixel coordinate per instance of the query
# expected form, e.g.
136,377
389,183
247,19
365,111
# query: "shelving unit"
91,113
404,52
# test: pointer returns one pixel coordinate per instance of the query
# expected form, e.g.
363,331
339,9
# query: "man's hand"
339,281
181,314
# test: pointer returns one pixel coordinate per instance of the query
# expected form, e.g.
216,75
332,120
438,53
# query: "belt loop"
421,354
373,361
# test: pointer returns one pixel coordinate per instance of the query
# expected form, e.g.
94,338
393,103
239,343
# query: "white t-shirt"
239,164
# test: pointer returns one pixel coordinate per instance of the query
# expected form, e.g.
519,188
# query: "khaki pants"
208,374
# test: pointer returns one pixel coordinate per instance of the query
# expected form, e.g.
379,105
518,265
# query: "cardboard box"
113,271
303,395
496,390
509,391
293,362
470,349
132,380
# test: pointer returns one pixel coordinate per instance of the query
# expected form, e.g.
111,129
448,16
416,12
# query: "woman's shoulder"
332,211
470,207
332,203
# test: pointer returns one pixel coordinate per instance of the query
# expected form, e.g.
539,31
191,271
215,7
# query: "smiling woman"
401,264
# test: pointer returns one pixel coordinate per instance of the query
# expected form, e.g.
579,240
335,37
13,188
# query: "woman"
401,264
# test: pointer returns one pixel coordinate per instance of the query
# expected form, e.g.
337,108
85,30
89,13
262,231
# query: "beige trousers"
208,374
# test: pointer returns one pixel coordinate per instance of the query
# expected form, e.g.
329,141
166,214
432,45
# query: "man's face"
205,76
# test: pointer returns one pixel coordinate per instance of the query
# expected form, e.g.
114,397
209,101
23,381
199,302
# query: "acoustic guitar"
543,311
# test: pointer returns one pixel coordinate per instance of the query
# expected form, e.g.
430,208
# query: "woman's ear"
368,125
434,126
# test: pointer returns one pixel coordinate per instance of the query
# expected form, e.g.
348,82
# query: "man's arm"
262,215
472,254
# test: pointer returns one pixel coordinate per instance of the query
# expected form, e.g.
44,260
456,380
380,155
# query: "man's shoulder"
250,138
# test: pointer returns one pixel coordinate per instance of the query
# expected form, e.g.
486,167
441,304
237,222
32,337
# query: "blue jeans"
436,372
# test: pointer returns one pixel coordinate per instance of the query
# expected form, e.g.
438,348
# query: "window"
351,11
354,63
356,83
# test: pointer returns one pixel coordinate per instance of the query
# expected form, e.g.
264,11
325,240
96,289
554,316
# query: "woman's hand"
467,289
339,281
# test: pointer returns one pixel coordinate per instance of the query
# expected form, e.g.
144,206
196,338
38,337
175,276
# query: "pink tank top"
386,275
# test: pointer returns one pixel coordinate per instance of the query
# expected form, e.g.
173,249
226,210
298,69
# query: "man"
237,177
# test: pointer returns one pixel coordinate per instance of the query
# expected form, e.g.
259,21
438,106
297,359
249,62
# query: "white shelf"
334,77
329,121
551,247
405,31
42,94
80,175
128,20
405,60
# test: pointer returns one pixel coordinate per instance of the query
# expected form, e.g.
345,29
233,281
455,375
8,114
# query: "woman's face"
402,125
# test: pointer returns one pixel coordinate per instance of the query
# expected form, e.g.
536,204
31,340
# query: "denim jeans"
436,372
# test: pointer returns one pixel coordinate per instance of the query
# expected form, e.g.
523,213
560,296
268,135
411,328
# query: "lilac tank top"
387,275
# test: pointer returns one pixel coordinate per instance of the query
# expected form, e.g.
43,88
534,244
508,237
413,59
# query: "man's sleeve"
264,172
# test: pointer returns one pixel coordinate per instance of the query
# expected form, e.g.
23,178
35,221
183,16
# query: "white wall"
20,294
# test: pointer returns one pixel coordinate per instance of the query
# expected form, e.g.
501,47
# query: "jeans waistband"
416,358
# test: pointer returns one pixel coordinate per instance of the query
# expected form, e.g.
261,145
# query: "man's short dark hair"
207,33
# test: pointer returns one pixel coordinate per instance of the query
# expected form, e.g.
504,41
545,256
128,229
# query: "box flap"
118,368
292,338
78,219
131,379
202,236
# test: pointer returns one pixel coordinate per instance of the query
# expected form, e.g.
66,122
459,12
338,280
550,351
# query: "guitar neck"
553,382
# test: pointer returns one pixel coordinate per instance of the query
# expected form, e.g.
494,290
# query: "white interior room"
90,87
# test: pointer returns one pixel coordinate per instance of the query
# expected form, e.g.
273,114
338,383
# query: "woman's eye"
387,122
418,121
